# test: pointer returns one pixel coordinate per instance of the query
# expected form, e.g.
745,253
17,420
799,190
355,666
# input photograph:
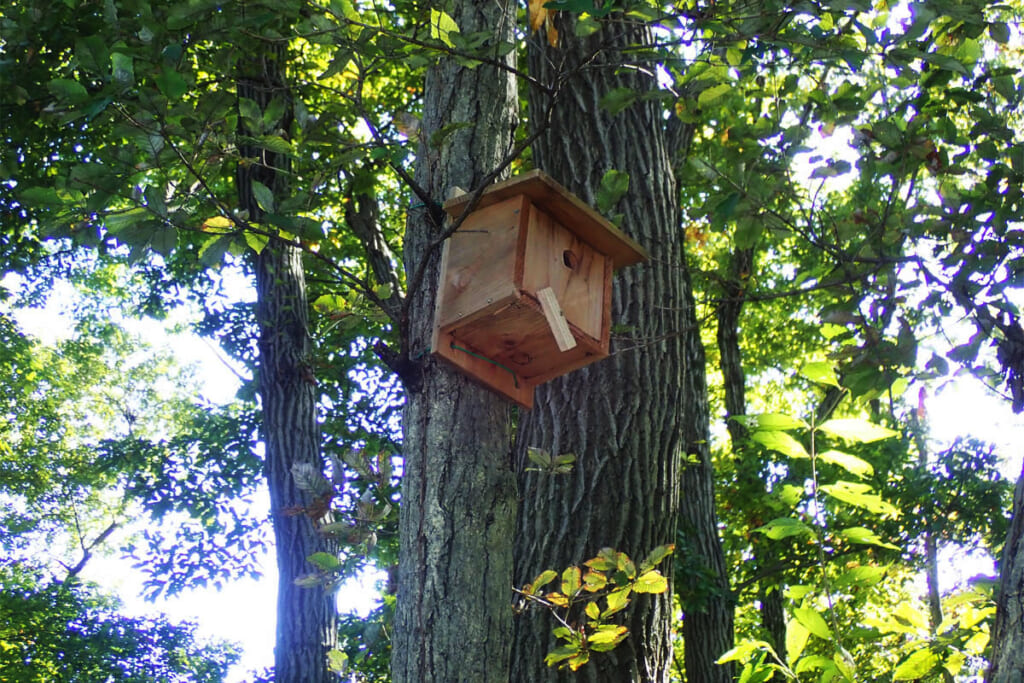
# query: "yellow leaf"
218,224
538,13
552,35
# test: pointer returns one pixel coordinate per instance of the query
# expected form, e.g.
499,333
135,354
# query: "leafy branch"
584,625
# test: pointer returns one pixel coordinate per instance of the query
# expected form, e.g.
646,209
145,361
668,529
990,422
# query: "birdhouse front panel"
525,290
579,275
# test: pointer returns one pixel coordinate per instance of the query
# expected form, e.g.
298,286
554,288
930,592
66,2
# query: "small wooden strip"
556,319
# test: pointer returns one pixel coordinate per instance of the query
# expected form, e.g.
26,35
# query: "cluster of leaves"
585,625
863,555
70,632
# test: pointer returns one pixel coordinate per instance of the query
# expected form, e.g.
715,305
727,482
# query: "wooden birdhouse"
526,285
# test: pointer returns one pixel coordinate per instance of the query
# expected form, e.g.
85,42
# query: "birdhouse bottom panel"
518,346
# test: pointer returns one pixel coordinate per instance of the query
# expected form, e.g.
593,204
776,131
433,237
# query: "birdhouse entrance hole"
525,290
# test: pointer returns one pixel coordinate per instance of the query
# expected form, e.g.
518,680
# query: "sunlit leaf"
770,421
850,463
607,637
781,442
797,636
614,185
784,527
325,561
853,429
616,601
256,241
821,373
651,582
571,581
442,26
863,536
711,94
861,496
544,578
813,621
917,665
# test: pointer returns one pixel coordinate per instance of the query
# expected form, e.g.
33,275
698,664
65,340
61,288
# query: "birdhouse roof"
566,208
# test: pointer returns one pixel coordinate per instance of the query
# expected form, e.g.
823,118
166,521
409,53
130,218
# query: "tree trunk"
454,611
707,619
305,616
1007,660
622,416
773,613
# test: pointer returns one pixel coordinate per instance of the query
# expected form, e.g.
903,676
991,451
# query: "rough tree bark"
305,617
623,416
454,610
1007,659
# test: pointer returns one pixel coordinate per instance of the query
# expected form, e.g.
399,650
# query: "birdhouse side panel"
479,271
579,275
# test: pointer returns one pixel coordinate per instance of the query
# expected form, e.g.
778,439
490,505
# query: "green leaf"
860,495
211,253
571,581
442,134
811,662
442,26
257,242
657,555
770,421
273,113
617,100
172,84
863,536
337,661
797,636
784,527
276,144
616,601
651,582
781,442
264,196
592,611
120,221
917,665
122,68
813,622
539,456
560,654
250,111
68,90
999,31
163,240
945,62
324,561
594,581
820,373
853,429
614,185
586,25
40,196
711,94
607,637
544,578
850,463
